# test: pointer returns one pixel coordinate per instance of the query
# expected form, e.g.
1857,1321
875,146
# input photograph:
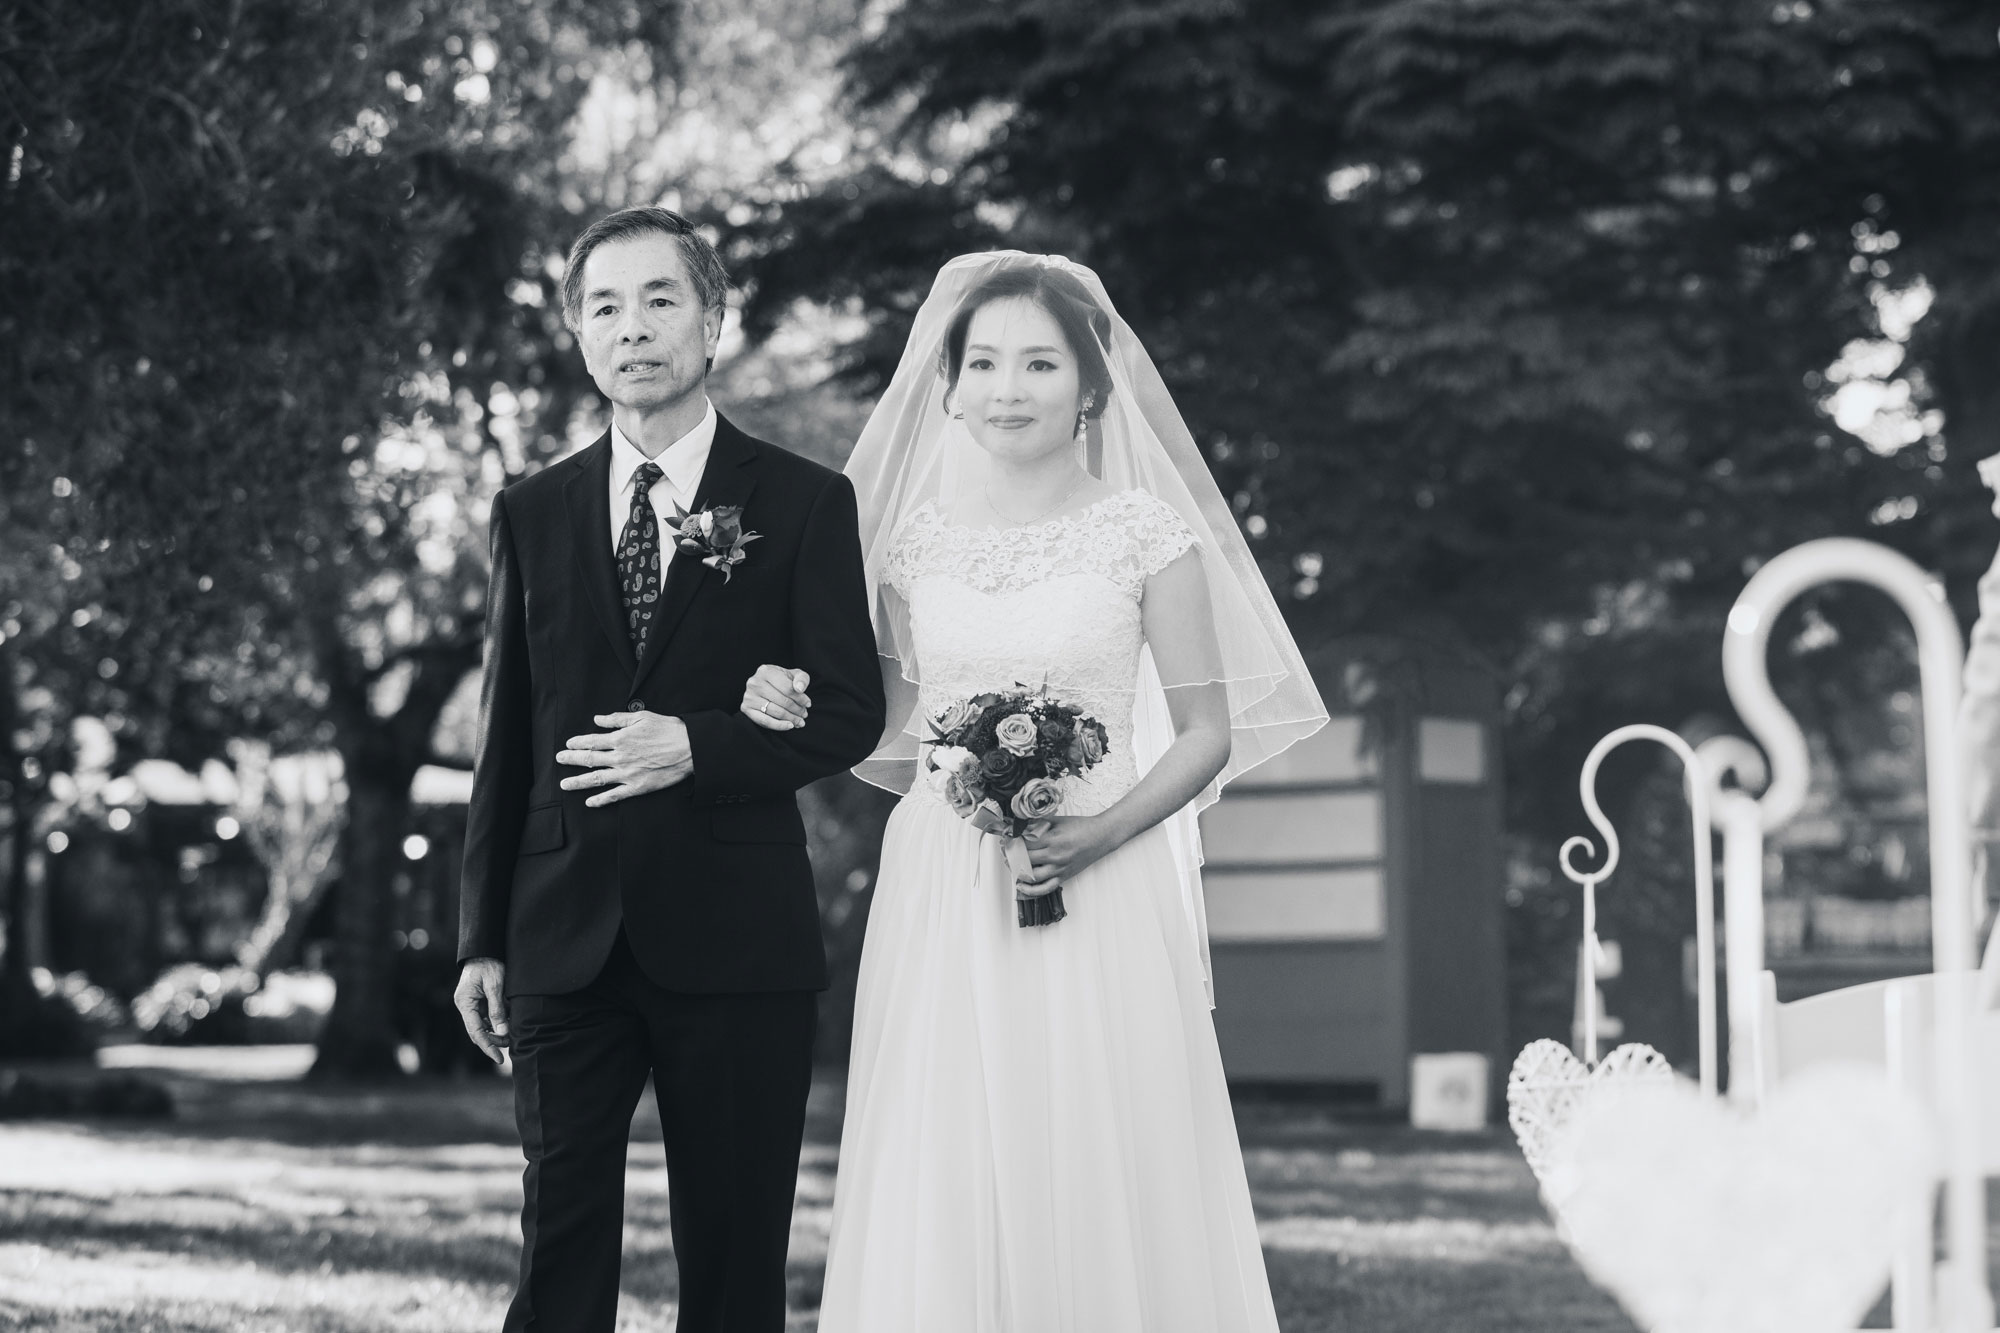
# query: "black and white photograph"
999,666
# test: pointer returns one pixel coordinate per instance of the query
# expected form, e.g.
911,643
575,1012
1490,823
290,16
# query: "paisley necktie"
639,559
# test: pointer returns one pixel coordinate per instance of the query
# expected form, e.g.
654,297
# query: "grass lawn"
270,1205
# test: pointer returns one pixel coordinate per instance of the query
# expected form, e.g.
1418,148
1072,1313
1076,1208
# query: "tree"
275,303
1515,327
1488,279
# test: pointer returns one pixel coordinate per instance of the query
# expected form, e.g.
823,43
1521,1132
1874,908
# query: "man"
637,898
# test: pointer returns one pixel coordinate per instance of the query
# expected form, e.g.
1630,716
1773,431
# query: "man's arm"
835,645
502,770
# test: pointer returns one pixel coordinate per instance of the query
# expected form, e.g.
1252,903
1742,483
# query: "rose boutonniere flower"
716,535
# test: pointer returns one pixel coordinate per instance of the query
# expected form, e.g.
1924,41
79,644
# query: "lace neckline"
1125,536
931,507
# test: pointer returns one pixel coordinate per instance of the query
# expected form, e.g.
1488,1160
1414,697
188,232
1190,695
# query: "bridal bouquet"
999,760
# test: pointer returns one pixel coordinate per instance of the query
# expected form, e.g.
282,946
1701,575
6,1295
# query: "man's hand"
643,753
481,998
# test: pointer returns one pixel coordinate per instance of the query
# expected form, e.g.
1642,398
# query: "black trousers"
731,1073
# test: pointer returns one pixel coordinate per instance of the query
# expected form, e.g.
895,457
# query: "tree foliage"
1525,327
1495,317
276,318
1461,296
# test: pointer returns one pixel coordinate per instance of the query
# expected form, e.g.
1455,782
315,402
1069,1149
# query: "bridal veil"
913,451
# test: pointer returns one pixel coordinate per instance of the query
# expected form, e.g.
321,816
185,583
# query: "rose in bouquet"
999,761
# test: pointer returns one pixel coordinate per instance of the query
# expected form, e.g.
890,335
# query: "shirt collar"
682,461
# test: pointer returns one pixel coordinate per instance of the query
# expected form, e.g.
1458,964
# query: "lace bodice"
1055,602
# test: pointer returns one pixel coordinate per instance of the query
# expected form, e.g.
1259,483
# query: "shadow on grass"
1326,1293
416,1112
455,1245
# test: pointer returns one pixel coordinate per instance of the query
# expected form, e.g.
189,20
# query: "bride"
1038,1135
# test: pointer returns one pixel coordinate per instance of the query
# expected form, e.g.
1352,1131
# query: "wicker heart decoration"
1702,1219
1548,1086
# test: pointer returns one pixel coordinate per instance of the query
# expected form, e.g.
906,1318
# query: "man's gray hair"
711,279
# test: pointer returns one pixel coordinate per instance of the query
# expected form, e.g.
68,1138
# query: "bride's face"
1018,382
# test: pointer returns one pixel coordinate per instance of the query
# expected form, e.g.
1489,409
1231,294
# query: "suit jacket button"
636,706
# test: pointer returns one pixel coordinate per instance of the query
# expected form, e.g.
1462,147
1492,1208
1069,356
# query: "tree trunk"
1967,339
13,958
380,756
31,906
360,1039
23,918
20,934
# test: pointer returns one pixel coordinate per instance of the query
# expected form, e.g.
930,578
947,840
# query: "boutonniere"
716,535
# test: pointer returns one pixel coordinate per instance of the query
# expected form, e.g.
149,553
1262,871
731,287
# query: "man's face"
646,338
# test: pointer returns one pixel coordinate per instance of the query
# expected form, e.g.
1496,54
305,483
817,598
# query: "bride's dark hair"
1084,324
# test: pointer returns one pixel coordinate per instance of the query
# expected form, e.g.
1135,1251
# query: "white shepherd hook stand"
1697,786
1548,1087
1955,914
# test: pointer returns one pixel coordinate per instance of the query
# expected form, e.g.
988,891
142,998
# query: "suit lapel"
587,497
727,479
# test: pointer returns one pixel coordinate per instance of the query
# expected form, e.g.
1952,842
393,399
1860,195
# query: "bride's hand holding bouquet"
1063,846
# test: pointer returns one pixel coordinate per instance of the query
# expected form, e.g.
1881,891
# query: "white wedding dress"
1038,1135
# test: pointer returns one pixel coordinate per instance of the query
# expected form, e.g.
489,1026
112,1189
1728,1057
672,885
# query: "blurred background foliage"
1519,328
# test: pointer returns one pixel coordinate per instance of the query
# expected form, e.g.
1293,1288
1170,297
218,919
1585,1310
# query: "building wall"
1301,855
1353,895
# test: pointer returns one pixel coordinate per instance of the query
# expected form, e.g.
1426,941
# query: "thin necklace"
987,490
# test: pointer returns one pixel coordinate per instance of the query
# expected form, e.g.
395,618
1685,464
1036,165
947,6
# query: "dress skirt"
1038,1135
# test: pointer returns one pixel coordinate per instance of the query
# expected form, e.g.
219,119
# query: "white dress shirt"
681,463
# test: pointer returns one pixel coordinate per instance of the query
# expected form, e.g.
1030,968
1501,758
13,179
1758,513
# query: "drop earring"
1083,415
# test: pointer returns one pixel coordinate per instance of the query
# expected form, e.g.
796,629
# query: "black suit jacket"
709,877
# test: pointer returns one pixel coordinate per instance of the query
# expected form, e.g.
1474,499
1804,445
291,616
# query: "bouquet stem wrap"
1043,908
1004,861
